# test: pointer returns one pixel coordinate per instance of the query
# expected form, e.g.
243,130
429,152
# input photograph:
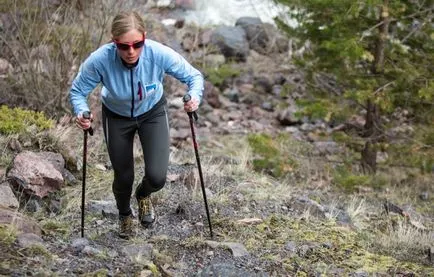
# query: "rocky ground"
299,225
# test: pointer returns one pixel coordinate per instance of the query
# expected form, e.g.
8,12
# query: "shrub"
18,120
217,76
271,155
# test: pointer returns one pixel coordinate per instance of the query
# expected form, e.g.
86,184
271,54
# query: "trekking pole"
187,98
83,189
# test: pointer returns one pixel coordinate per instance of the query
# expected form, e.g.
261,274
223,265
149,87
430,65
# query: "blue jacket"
133,91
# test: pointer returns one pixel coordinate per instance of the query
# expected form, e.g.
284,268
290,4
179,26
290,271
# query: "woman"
131,69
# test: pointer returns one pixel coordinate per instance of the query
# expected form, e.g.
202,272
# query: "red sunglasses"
126,46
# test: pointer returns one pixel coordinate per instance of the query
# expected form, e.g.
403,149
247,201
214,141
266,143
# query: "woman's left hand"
191,105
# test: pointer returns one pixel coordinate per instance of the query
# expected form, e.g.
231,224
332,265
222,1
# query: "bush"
18,121
218,76
272,156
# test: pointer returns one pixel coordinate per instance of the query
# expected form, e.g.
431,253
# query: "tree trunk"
370,132
372,128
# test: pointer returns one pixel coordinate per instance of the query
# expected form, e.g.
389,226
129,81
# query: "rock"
304,203
20,221
37,174
250,221
231,41
91,251
139,253
287,117
185,4
232,95
360,274
237,249
7,198
424,196
291,247
107,209
15,145
26,240
79,244
100,167
267,106
263,37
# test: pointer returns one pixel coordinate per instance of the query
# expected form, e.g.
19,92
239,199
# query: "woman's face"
130,45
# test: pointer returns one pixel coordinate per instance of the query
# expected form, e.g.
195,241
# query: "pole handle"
185,99
86,115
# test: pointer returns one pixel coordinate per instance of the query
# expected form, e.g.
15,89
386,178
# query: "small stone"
100,167
424,196
291,247
90,251
250,221
79,244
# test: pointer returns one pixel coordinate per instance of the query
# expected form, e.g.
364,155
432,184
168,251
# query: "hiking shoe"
126,226
146,211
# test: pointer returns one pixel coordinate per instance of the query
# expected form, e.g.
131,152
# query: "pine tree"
379,51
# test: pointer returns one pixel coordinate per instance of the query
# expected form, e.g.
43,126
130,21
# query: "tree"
379,51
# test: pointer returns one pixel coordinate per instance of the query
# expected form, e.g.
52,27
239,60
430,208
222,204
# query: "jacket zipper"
132,93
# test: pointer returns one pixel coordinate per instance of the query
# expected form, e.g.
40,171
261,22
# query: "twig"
383,87
370,30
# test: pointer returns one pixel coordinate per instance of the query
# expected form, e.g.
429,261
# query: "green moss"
19,121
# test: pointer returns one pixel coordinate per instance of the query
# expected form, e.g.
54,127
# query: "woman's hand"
83,123
192,105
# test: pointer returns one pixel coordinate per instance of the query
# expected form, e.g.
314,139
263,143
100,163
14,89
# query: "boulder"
37,174
231,41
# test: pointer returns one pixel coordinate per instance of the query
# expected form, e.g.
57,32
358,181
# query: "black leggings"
153,130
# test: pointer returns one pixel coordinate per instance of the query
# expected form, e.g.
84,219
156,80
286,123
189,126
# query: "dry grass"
405,242
357,211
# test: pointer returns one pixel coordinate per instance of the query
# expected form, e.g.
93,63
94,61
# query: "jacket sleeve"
175,65
84,83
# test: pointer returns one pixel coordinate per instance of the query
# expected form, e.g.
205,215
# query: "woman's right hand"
83,123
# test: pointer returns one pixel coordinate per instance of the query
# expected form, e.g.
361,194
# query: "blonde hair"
125,22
